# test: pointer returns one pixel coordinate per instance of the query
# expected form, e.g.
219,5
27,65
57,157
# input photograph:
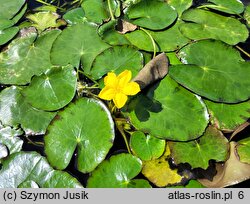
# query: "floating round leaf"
163,39
228,116
213,70
26,57
77,43
117,59
212,145
22,168
85,125
15,110
9,137
117,172
227,6
152,14
169,111
10,8
159,172
56,89
74,16
243,150
205,24
146,147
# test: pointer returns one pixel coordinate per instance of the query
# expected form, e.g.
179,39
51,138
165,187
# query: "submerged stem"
119,127
243,51
110,11
39,144
152,40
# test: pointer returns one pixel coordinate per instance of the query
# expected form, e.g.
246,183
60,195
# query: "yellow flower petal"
107,93
131,88
124,78
120,100
111,80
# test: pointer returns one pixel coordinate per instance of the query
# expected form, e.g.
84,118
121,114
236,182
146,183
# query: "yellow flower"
117,88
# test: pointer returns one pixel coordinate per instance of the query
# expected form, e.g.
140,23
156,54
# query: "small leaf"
146,147
228,116
212,145
117,59
151,14
44,20
31,169
168,111
15,110
117,172
85,125
77,43
56,89
207,73
159,172
204,24
9,137
229,173
154,70
243,150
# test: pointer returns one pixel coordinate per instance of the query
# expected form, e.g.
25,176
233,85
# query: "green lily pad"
85,125
22,168
151,14
146,147
180,5
7,34
227,6
15,110
204,24
228,116
74,16
198,153
117,59
9,137
243,150
163,39
247,15
26,57
98,10
56,89
77,43
169,111
118,172
109,34
10,8
44,20
207,73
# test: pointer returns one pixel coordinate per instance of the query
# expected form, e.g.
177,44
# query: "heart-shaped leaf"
118,172
98,10
77,43
152,14
85,125
117,59
180,6
74,16
169,111
15,110
227,6
56,88
146,147
163,39
22,168
207,73
159,172
212,145
229,173
26,57
205,24
243,150
228,117
9,137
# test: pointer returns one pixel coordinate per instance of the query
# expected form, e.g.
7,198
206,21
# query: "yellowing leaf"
159,172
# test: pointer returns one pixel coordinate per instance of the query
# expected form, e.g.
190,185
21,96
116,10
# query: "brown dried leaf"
229,173
154,70
239,129
124,27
